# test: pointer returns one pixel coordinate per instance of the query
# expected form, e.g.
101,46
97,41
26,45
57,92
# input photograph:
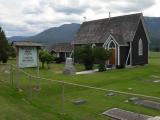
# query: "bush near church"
101,56
84,54
88,56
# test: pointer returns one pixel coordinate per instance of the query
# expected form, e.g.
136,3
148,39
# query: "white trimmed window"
112,44
140,47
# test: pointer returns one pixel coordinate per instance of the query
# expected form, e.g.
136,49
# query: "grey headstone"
69,68
134,100
79,102
145,103
126,101
150,104
156,81
130,88
111,94
120,114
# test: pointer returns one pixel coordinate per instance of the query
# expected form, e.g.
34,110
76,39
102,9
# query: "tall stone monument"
69,68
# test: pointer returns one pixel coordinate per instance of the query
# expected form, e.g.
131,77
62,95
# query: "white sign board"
27,57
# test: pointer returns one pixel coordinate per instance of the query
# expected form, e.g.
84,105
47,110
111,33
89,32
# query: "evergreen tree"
3,47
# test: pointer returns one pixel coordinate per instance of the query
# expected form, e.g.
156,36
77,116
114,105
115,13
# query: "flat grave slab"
119,114
134,100
156,81
111,94
150,104
145,103
79,102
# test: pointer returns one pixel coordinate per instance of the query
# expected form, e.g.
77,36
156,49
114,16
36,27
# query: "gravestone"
120,114
111,94
150,104
145,103
79,102
69,68
135,100
156,81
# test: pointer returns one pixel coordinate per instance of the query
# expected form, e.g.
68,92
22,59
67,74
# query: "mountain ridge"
67,32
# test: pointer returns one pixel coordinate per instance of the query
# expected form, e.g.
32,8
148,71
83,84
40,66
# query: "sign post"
27,56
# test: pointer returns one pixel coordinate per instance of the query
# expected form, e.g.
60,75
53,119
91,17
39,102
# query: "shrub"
44,56
84,55
101,56
58,60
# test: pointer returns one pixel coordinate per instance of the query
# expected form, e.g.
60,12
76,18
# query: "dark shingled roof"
122,28
62,47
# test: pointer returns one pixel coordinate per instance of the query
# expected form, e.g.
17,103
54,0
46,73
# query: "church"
126,36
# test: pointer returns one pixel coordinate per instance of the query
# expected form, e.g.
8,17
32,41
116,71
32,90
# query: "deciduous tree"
44,56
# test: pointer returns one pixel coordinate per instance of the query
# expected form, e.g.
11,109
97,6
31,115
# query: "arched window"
112,44
140,47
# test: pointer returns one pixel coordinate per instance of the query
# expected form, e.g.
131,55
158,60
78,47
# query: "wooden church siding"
136,58
123,55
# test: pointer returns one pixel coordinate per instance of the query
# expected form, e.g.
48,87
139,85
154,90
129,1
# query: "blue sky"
29,17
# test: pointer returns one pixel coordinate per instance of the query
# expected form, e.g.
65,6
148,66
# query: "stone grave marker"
111,94
145,103
79,102
69,68
119,114
135,100
150,104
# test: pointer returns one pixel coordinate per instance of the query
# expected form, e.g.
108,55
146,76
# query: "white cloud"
154,10
28,17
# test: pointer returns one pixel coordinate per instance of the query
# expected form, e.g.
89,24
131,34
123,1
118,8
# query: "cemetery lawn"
45,104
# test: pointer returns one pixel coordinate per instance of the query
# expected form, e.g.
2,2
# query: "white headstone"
69,68
69,61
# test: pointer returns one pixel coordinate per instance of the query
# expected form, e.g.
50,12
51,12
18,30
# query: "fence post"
11,74
38,78
17,79
30,86
62,100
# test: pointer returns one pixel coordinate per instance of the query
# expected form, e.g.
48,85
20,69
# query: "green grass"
46,103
